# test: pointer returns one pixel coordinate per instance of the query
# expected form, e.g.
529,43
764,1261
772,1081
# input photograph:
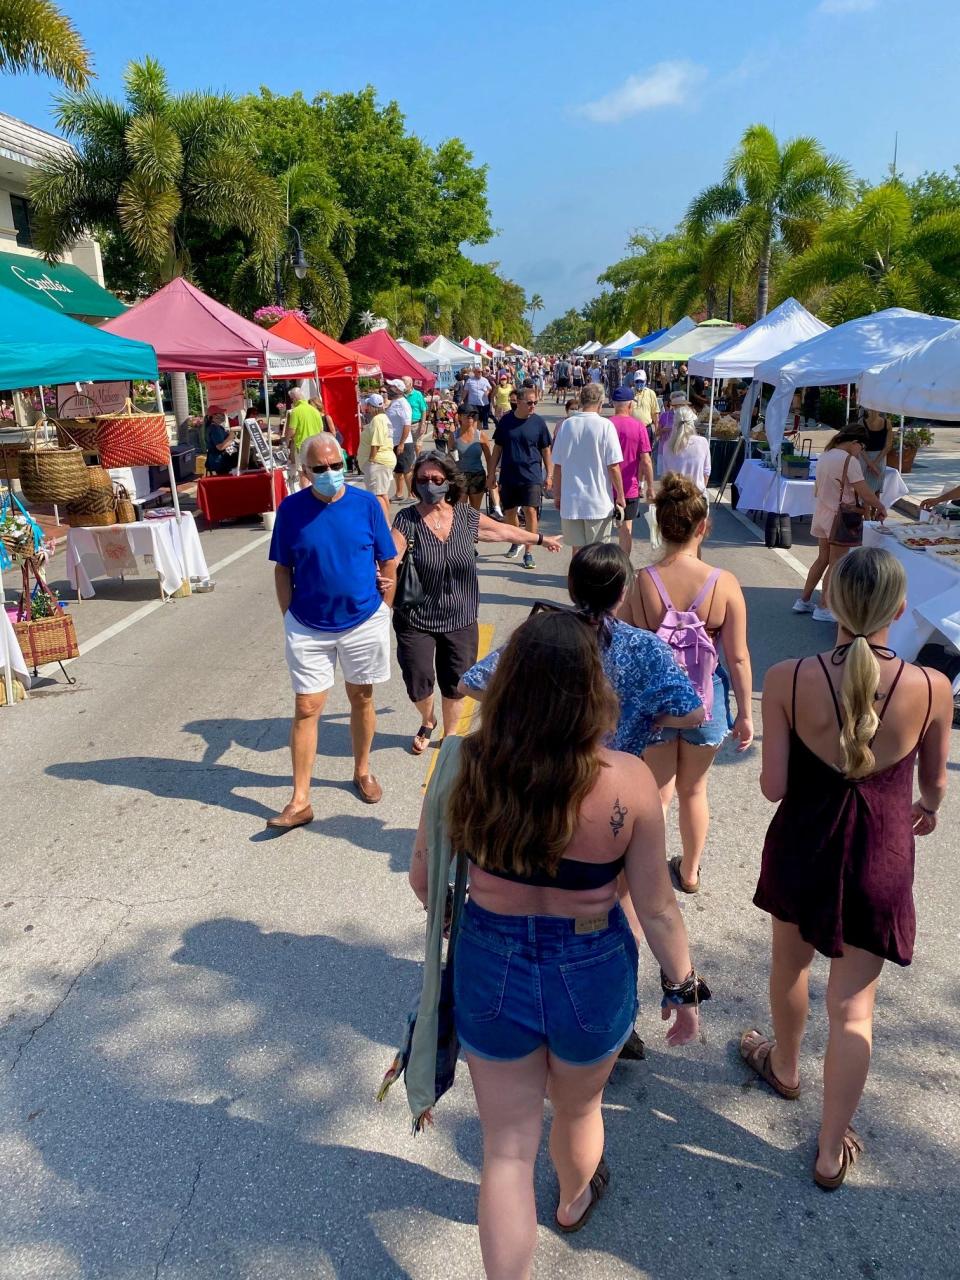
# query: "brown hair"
680,507
854,434
449,468
529,767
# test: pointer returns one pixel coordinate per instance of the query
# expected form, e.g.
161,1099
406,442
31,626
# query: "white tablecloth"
759,490
153,546
933,596
16,657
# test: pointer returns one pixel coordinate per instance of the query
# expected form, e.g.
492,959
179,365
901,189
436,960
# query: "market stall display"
933,584
763,489
154,546
249,494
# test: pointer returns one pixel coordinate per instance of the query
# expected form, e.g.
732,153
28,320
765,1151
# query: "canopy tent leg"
848,405
901,444
5,640
203,399
266,404
182,557
713,386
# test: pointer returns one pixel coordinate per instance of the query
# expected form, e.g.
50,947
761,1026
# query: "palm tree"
769,195
326,233
143,167
533,306
877,255
36,36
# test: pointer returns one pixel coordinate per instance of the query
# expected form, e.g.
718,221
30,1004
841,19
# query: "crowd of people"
594,716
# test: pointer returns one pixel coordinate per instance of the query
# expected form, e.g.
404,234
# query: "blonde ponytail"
867,588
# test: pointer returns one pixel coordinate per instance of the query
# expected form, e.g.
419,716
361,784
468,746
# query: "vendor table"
226,497
119,550
933,595
761,490
16,656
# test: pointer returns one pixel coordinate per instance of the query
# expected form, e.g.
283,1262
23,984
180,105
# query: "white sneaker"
513,552
821,614
803,606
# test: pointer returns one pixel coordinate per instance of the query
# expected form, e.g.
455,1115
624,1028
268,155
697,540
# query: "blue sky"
594,119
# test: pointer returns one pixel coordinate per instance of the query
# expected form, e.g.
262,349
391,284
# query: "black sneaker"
513,552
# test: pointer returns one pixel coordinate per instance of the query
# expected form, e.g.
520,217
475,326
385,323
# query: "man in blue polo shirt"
329,543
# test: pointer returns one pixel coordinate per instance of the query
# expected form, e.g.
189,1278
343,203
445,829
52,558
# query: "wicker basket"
84,519
97,505
49,474
133,439
47,639
79,431
126,510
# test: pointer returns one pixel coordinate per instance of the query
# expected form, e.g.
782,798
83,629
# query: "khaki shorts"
580,533
377,478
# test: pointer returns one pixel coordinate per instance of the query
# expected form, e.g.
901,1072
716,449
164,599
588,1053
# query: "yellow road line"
469,704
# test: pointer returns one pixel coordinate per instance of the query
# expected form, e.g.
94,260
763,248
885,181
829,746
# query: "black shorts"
406,457
521,495
419,652
631,509
562,384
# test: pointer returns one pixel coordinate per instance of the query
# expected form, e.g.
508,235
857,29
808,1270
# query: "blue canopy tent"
624,353
39,347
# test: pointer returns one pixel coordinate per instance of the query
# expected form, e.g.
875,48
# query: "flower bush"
269,316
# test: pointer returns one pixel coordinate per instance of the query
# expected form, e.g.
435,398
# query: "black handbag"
847,528
409,594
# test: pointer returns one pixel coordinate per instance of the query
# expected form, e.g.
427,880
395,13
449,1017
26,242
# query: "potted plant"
913,439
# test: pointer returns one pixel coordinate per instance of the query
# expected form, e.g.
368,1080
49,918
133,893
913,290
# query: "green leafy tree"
875,256
563,334
769,195
148,169
36,36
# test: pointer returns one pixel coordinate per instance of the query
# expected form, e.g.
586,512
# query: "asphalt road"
194,1018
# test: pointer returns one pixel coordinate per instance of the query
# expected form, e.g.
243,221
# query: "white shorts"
377,478
580,533
363,652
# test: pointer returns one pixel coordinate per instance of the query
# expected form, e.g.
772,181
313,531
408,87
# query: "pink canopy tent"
392,358
192,333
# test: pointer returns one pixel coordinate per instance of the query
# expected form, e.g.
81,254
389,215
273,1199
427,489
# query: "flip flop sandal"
683,885
422,739
852,1149
758,1060
598,1187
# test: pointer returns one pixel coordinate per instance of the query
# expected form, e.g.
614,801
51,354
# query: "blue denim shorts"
713,731
522,982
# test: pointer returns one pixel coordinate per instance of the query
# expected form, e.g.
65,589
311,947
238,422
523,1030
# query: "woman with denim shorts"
683,583
546,965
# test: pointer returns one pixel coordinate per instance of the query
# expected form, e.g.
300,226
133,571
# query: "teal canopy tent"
40,347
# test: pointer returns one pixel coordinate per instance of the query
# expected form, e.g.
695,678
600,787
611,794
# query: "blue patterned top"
645,678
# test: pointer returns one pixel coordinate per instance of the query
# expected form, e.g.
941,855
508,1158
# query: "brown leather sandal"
851,1151
685,886
598,1187
757,1059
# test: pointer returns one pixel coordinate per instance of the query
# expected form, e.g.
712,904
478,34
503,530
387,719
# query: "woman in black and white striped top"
440,634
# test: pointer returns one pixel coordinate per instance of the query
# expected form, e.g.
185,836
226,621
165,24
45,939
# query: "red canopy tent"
392,358
338,368
192,333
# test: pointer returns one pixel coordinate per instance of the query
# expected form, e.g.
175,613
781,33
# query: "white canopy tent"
840,355
627,339
738,355
924,383
590,349
702,337
429,359
455,355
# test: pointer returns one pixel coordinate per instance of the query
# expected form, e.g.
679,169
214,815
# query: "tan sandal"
757,1059
851,1150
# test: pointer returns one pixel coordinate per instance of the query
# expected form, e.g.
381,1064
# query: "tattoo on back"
618,817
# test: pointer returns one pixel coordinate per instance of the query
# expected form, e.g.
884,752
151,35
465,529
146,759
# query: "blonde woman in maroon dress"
843,734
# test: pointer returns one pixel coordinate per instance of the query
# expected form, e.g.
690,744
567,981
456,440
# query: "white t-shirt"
400,415
478,392
694,461
585,447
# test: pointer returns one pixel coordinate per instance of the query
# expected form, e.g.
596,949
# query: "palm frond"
90,118
155,150
36,36
755,166
146,216
722,200
147,90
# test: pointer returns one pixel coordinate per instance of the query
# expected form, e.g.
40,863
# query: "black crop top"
572,873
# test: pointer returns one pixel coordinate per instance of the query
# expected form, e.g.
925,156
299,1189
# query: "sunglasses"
321,467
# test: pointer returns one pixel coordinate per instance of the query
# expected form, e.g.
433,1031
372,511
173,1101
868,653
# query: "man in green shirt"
303,421
418,411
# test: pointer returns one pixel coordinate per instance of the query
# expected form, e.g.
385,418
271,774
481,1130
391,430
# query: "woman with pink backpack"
698,610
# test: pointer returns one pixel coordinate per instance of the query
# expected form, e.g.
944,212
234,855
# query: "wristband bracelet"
692,990
931,813
539,539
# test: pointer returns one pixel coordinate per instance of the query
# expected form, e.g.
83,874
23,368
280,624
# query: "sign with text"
91,399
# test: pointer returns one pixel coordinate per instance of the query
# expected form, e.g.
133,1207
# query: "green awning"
63,288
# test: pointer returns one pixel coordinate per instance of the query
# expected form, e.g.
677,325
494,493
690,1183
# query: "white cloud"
668,84
846,6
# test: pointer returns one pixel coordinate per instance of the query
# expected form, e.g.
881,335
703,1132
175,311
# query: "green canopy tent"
39,347
60,286
693,343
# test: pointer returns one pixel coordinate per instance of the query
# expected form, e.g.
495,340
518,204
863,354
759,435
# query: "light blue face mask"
329,483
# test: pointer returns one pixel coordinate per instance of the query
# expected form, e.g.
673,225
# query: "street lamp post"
298,260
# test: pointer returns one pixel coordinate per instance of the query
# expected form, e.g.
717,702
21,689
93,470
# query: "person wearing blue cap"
635,443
